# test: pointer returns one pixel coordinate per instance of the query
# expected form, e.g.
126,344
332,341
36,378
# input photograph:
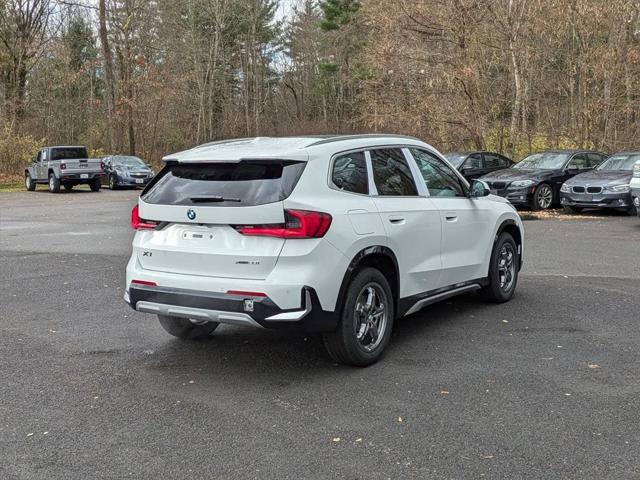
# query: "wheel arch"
511,227
376,256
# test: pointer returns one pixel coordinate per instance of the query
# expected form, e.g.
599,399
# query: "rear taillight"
63,166
298,224
138,223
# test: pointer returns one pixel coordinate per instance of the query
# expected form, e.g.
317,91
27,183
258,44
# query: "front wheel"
633,210
543,198
113,182
503,270
187,329
366,321
29,184
54,183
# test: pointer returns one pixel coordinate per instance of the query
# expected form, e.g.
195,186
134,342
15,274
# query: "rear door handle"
397,220
451,217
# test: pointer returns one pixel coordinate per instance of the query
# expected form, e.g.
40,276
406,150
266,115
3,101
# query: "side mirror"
479,189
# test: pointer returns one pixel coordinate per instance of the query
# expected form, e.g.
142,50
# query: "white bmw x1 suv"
339,235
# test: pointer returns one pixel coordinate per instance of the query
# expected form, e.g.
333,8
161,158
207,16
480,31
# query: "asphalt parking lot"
546,386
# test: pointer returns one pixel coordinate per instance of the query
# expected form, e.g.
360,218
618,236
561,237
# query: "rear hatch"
201,209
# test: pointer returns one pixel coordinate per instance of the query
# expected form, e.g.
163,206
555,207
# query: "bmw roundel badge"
191,214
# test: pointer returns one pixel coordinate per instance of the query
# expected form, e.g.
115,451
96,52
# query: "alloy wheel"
545,197
371,315
506,267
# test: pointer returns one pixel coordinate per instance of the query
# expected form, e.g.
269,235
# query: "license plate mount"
84,175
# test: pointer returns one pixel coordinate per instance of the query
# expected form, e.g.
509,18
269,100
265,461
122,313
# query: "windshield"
128,161
620,162
545,161
456,159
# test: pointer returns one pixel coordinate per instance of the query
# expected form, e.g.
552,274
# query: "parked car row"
68,166
573,179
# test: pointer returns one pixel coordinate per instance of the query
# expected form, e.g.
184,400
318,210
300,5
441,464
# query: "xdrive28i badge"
191,214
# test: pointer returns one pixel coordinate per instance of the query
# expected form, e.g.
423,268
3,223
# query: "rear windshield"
68,153
243,184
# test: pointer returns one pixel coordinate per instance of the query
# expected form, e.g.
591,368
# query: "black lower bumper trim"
316,320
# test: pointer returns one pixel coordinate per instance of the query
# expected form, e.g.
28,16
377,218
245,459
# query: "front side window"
439,178
350,173
391,173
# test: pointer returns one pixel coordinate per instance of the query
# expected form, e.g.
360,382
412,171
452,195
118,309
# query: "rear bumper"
600,200
79,176
231,309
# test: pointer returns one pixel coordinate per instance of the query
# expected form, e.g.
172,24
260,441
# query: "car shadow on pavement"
285,353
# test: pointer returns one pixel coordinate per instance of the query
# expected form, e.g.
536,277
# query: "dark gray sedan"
126,171
607,186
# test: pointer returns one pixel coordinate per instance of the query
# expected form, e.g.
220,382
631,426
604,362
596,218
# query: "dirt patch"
561,215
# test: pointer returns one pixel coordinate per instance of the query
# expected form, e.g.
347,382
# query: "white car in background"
340,235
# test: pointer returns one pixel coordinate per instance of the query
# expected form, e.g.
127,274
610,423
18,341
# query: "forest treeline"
152,77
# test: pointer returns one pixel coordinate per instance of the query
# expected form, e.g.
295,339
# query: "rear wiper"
212,199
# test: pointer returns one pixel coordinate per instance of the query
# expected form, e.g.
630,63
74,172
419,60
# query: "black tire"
54,183
29,184
343,344
94,184
540,199
185,329
569,209
113,182
495,291
68,186
632,210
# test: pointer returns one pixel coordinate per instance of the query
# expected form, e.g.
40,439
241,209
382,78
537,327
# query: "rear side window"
242,184
391,173
350,173
495,161
594,159
68,153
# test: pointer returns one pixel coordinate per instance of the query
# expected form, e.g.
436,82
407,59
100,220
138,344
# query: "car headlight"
618,188
636,170
522,183
565,188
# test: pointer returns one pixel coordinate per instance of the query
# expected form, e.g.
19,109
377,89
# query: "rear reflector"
246,294
138,223
298,224
145,282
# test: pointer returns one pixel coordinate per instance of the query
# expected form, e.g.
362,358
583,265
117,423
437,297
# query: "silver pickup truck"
63,165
